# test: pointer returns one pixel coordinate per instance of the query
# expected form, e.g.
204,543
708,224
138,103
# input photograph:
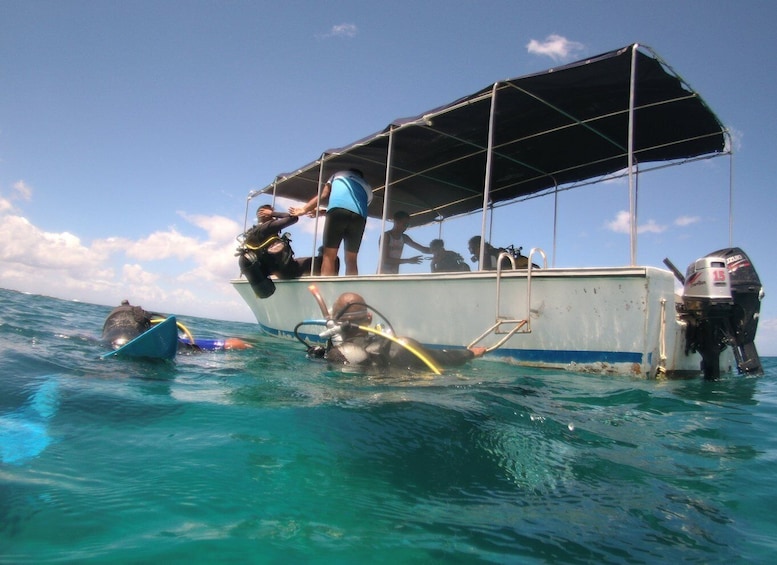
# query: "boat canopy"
522,137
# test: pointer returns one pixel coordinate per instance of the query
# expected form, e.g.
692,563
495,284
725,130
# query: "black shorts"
344,225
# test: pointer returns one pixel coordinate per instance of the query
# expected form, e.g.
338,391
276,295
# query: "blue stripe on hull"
528,356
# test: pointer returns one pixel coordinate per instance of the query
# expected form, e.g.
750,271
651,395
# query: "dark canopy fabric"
562,126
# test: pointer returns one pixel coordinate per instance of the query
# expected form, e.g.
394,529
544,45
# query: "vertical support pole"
487,180
632,184
555,224
318,204
730,193
386,197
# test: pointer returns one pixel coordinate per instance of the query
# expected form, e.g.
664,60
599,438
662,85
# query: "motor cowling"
707,289
721,300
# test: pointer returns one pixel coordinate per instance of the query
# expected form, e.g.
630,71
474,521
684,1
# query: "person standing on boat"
348,196
395,241
356,346
445,261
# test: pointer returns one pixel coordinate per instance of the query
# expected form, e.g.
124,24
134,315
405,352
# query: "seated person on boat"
445,261
489,257
492,254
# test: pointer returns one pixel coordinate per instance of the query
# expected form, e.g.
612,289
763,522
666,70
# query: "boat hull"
607,320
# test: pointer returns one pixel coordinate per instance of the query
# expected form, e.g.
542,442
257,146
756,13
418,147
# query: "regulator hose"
428,362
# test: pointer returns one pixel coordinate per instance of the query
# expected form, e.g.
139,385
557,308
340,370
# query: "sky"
132,132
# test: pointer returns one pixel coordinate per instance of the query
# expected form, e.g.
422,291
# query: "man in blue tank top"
347,195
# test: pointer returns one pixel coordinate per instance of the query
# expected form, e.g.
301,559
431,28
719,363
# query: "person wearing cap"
395,241
356,346
348,196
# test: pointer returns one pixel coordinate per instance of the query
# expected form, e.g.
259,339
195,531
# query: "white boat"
621,113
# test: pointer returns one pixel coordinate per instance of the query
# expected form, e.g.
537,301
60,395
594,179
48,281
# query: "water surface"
262,456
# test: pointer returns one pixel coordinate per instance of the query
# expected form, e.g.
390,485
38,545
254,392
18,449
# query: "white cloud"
556,47
22,190
19,191
651,227
21,242
163,245
342,30
165,271
684,221
218,228
621,224
135,274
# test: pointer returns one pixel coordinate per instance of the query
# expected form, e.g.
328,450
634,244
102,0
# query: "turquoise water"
263,456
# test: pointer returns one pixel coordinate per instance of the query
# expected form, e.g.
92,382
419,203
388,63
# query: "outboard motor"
722,300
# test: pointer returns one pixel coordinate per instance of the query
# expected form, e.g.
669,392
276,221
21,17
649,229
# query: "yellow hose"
181,327
429,363
185,330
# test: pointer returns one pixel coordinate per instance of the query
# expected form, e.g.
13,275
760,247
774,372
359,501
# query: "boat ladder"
507,326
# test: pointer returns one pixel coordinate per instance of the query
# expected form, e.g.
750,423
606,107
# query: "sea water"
264,456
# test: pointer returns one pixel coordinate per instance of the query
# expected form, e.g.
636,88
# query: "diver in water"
352,342
125,323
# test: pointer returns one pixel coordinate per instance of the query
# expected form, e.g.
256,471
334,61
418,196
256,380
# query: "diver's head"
351,307
264,213
437,246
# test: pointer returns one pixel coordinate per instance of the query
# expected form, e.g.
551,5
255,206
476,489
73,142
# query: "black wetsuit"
449,262
261,231
265,254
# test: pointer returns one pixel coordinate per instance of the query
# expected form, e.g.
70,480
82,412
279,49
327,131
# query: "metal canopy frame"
566,127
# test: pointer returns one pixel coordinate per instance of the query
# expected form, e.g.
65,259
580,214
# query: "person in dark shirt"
445,261
490,256
265,252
